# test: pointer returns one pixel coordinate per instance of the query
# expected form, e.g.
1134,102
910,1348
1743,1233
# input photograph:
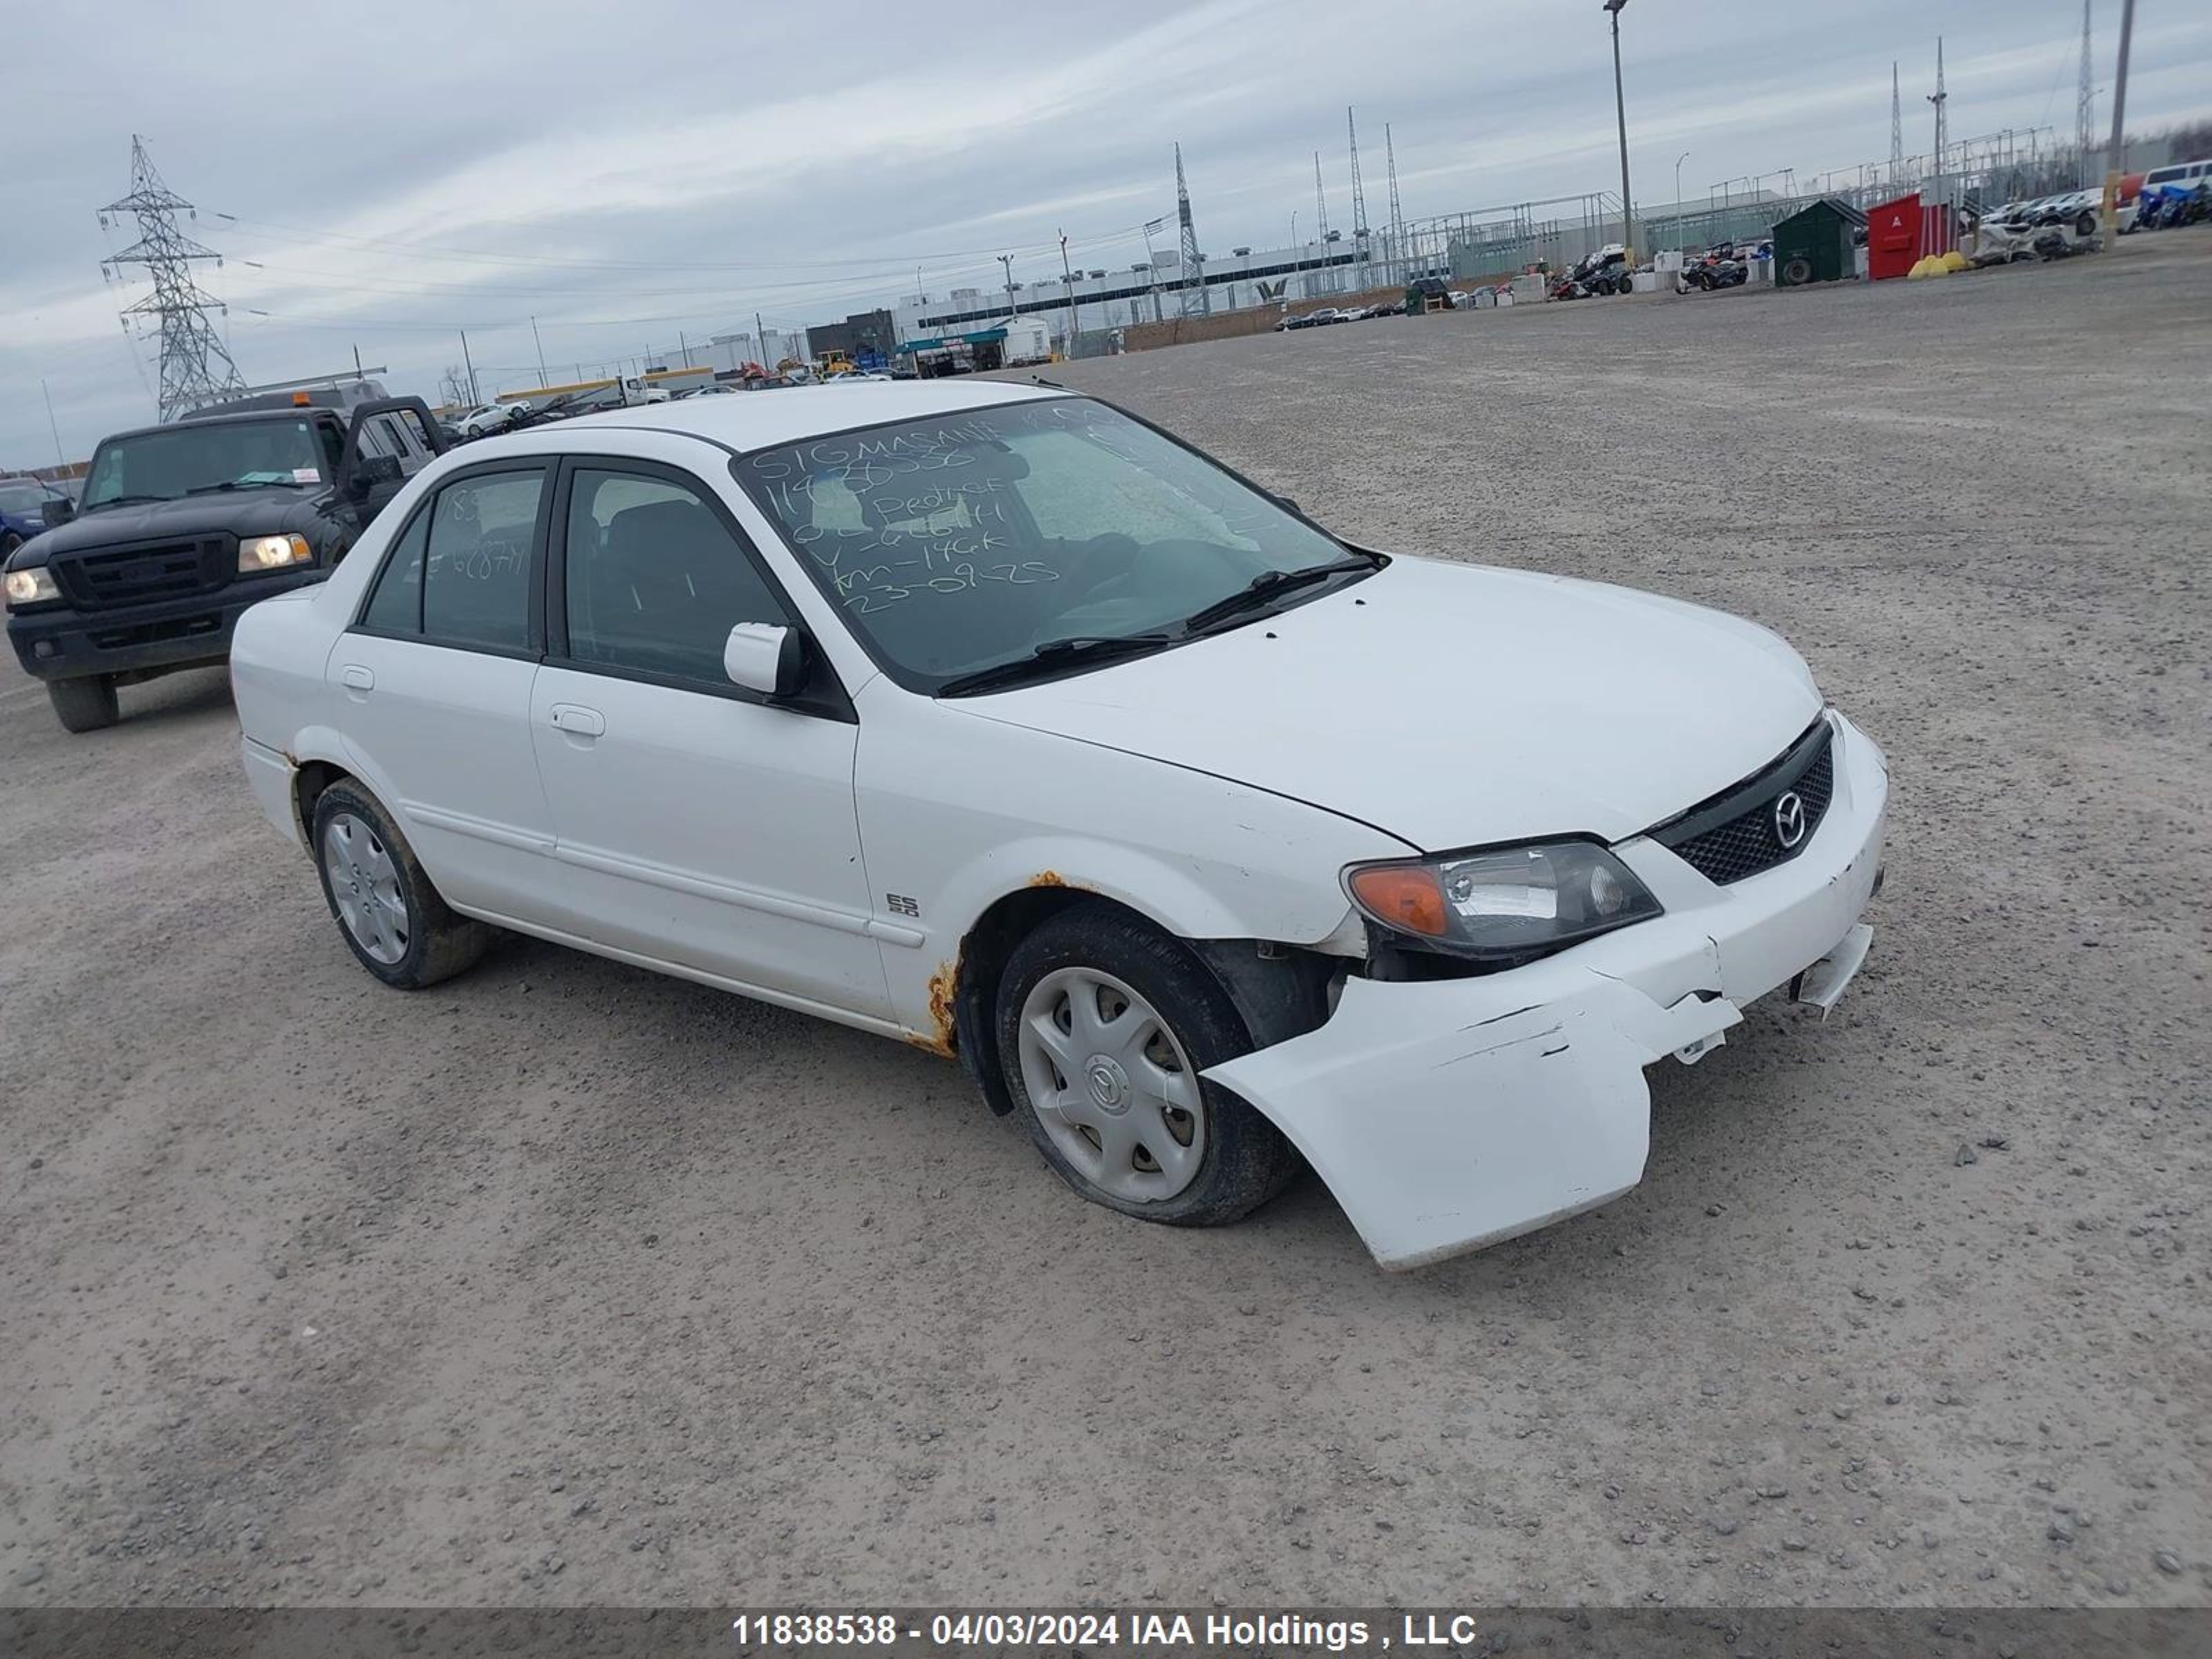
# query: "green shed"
1815,243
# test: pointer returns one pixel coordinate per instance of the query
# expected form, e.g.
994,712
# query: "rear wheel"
83,705
1104,1025
387,912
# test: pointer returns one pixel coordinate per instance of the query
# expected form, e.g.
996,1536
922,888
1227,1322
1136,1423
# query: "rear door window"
477,562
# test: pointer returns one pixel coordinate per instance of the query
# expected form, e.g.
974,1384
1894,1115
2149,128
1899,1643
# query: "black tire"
2087,224
83,705
1797,273
10,541
1246,1160
438,941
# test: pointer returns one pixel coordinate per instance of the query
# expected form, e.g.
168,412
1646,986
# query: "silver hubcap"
365,884
1111,1085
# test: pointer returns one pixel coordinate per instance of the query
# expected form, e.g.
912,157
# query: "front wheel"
83,705
389,914
1104,1025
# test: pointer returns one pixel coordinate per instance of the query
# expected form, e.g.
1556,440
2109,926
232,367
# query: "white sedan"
487,419
995,719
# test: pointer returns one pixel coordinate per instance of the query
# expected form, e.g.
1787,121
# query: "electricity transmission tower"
1896,132
2085,103
1193,275
196,365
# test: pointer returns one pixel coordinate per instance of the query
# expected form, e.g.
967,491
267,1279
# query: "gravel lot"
565,1284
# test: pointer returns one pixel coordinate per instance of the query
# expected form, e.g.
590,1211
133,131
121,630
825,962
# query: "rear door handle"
583,722
357,678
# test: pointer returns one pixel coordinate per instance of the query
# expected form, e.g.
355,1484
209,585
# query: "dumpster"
1816,243
1902,233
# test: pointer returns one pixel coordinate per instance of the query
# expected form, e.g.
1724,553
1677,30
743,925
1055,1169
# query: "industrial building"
863,336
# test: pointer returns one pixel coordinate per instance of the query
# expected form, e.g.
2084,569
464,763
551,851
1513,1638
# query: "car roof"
232,417
764,420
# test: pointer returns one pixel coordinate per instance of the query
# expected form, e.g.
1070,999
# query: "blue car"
22,510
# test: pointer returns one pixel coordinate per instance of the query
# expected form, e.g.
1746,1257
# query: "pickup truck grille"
134,575
1738,833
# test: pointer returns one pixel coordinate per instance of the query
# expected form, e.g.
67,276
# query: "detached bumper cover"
1452,1114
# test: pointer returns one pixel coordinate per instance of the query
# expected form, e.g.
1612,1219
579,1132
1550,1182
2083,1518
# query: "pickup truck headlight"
33,587
272,553
1507,902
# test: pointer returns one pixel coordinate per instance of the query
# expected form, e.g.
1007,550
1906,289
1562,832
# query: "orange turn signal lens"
1405,896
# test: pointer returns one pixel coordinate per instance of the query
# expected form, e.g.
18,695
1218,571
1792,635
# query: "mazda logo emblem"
1788,819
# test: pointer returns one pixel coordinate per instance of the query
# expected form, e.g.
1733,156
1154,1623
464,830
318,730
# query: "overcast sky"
622,173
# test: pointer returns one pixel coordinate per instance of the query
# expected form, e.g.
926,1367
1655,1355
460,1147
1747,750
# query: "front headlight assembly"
256,553
34,585
1504,905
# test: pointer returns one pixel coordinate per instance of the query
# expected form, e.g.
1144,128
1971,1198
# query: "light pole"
1679,159
1007,260
540,345
1620,109
1074,328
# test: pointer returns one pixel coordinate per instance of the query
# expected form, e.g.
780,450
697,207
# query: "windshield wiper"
1052,654
125,500
241,483
1256,594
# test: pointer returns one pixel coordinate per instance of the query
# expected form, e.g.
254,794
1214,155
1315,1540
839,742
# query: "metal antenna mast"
1359,195
1896,131
1939,98
1194,275
1397,214
2085,105
196,365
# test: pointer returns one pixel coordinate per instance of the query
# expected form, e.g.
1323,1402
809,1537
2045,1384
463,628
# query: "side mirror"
58,510
765,658
371,470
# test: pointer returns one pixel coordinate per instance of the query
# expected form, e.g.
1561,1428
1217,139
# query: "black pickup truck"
183,525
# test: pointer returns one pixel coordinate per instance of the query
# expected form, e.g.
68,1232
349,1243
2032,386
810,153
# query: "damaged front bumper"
1450,1113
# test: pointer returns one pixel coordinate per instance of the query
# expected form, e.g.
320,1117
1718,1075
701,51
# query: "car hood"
1454,705
239,513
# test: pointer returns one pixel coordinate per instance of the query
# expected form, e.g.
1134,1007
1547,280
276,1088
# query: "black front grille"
1738,832
133,576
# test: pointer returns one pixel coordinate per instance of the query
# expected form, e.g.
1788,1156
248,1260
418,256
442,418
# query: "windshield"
964,542
175,461
23,498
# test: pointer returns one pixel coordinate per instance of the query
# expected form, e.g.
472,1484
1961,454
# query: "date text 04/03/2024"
1134,1631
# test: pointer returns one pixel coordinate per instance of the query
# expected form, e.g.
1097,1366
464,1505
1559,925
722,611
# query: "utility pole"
1074,326
1620,109
2116,157
1152,268
2085,98
1007,261
1939,98
760,339
474,396
543,379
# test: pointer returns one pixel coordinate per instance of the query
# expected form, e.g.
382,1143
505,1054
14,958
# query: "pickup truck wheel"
83,705
1104,1026
387,912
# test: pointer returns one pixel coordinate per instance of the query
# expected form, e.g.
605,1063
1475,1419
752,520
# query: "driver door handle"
357,678
575,718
